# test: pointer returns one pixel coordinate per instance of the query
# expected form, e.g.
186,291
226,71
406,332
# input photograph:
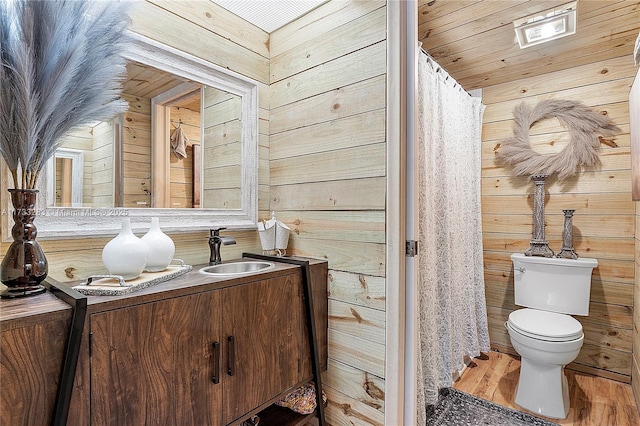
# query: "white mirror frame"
77,175
63,222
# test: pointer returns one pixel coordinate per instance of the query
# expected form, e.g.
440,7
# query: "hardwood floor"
595,401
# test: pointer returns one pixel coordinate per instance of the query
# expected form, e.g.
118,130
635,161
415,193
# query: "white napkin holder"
274,235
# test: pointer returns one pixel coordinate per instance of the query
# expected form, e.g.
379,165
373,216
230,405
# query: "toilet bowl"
546,342
544,333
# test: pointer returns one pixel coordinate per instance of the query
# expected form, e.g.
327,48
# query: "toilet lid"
543,325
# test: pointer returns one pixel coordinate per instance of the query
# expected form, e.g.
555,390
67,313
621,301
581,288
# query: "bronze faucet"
215,241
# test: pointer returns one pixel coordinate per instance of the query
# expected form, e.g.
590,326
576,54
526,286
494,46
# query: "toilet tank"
552,284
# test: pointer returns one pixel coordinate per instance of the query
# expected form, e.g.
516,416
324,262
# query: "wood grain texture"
177,369
21,312
475,41
361,386
331,44
154,21
32,356
263,319
265,315
357,289
327,175
594,401
604,221
136,153
345,411
635,362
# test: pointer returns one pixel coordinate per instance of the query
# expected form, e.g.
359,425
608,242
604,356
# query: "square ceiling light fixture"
546,26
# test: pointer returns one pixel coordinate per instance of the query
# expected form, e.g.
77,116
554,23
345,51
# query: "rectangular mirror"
185,151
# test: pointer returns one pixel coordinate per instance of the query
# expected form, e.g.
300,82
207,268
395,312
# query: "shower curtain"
452,311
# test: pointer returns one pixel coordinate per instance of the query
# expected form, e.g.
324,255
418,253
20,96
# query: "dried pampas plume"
61,67
584,127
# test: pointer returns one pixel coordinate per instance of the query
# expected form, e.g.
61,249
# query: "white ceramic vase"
126,254
161,247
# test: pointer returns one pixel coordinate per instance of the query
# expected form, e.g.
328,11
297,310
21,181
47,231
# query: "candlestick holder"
567,251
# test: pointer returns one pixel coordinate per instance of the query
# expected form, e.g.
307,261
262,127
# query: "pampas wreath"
584,126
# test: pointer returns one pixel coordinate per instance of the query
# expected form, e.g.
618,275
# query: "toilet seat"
544,325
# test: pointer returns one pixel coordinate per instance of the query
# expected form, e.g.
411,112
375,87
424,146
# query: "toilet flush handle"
523,270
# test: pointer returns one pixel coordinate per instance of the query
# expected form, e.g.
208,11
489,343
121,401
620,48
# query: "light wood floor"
595,401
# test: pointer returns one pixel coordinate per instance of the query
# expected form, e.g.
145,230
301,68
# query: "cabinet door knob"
216,363
232,355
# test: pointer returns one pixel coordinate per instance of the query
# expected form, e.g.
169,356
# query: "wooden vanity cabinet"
162,355
264,320
153,363
202,359
33,338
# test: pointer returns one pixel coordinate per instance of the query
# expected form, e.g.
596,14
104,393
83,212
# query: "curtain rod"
439,68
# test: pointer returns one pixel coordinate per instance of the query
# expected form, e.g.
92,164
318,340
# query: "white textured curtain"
452,310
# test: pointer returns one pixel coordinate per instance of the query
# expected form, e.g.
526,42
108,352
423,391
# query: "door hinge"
90,344
411,248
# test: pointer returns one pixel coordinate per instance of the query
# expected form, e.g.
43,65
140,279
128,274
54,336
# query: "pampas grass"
61,67
584,126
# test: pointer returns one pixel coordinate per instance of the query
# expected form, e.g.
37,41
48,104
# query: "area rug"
458,408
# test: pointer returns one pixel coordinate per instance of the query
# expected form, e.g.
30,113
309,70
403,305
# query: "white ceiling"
269,14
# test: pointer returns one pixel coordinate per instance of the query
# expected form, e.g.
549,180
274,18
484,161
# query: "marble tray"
113,285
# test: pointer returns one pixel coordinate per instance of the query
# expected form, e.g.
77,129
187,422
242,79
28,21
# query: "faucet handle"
216,232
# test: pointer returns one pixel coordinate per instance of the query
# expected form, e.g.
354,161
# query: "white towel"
179,141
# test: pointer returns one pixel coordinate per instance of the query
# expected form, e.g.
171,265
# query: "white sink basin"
237,268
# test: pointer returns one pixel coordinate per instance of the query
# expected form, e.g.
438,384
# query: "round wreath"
584,126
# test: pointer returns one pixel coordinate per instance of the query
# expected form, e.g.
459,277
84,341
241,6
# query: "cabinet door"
263,356
154,363
31,357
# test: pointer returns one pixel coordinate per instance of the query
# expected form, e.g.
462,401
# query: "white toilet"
543,333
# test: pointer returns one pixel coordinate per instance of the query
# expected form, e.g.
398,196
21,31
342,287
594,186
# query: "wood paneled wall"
327,173
136,152
208,31
604,220
635,362
100,180
634,112
221,172
181,169
84,138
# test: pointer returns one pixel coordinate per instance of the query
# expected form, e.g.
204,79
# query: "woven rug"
458,408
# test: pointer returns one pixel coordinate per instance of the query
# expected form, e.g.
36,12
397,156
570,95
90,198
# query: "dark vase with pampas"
61,66
24,266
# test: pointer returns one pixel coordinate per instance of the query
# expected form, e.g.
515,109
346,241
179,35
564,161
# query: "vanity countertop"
26,311
31,308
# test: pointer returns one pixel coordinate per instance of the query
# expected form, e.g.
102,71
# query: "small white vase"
126,254
161,247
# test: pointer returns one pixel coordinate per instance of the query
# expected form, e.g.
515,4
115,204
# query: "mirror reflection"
179,145
129,167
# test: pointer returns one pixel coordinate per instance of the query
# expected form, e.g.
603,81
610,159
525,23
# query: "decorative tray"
115,285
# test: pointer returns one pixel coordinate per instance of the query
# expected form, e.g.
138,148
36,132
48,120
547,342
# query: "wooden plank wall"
635,362
181,169
102,164
208,31
328,102
82,138
327,172
221,150
634,112
604,221
136,152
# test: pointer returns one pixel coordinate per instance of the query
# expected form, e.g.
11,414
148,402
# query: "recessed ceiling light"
546,26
